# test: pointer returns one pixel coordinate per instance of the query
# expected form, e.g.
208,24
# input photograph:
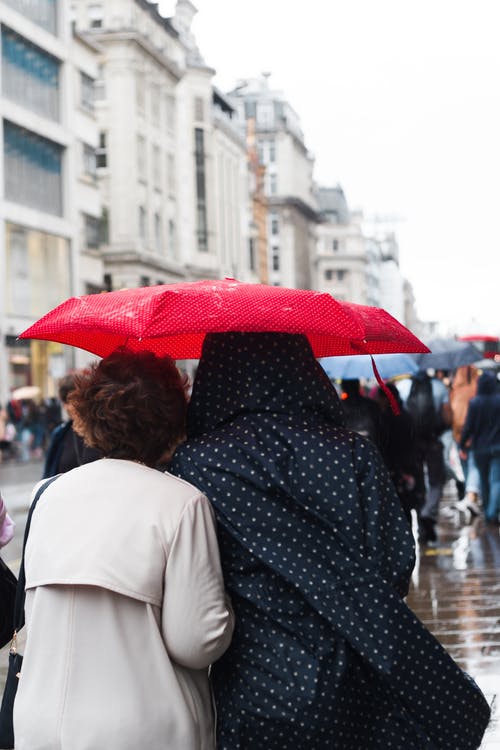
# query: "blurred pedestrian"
400,452
66,449
125,604
481,434
463,389
429,407
361,414
53,414
317,555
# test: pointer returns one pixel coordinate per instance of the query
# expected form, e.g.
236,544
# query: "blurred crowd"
26,426
447,428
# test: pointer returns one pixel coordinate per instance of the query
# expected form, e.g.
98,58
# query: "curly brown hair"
131,405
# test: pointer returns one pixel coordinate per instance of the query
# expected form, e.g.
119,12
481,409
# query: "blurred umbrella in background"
25,392
448,354
361,366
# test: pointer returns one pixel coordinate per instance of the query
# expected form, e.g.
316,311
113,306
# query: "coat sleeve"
197,618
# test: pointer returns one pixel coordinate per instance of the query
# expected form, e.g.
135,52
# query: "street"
455,587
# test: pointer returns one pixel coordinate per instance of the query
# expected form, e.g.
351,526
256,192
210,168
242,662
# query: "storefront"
37,279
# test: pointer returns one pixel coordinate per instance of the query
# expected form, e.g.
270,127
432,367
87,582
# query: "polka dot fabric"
317,556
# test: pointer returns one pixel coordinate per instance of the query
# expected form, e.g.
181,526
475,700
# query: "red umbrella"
174,318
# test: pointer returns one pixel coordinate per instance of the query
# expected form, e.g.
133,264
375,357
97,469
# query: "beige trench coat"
125,611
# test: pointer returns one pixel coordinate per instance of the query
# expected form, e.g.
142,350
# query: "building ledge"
290,200
132,35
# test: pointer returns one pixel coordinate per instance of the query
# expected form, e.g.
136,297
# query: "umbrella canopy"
25,392
448,354
388,365
174,318
487,364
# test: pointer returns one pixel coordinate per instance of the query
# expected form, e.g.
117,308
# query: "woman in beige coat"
125,604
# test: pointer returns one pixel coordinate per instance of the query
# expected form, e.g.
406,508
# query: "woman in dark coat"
66,449
481,432
317,556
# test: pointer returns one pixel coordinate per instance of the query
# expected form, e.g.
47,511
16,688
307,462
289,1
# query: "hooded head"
267,373
486,384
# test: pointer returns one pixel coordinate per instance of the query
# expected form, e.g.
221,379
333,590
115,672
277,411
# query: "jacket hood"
273,373
486,384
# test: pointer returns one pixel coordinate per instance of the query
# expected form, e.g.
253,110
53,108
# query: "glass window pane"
32,169
41,12
38,270
30,76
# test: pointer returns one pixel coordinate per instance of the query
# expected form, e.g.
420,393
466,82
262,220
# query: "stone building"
288,183
358,260
171,157
50,206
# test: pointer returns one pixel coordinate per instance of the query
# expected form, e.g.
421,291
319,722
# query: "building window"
41,12
201,201
37,270
335,245
275,225
140,93
101,152
328,274
157,221
341,275
92,227
171,174
32,169
273,183
95,16
251,254
155,105
265,114
30,76
275,259
89,161
172,238
156,168
250,110
145,281
266,150
170,109
199,109
141,158
142,222
100,84
86,92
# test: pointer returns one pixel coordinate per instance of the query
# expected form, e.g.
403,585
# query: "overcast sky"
400,103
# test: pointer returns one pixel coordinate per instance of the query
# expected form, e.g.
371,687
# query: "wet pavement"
455,587
456,593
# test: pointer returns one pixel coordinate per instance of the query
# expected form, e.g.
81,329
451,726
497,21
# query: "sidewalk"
456,593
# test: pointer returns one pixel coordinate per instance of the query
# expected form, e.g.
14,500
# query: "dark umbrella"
448,354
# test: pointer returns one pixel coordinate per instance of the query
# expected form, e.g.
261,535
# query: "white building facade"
171,161
358,261
49,197
292,214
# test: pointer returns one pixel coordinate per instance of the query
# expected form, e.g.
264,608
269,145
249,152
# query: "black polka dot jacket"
317,557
